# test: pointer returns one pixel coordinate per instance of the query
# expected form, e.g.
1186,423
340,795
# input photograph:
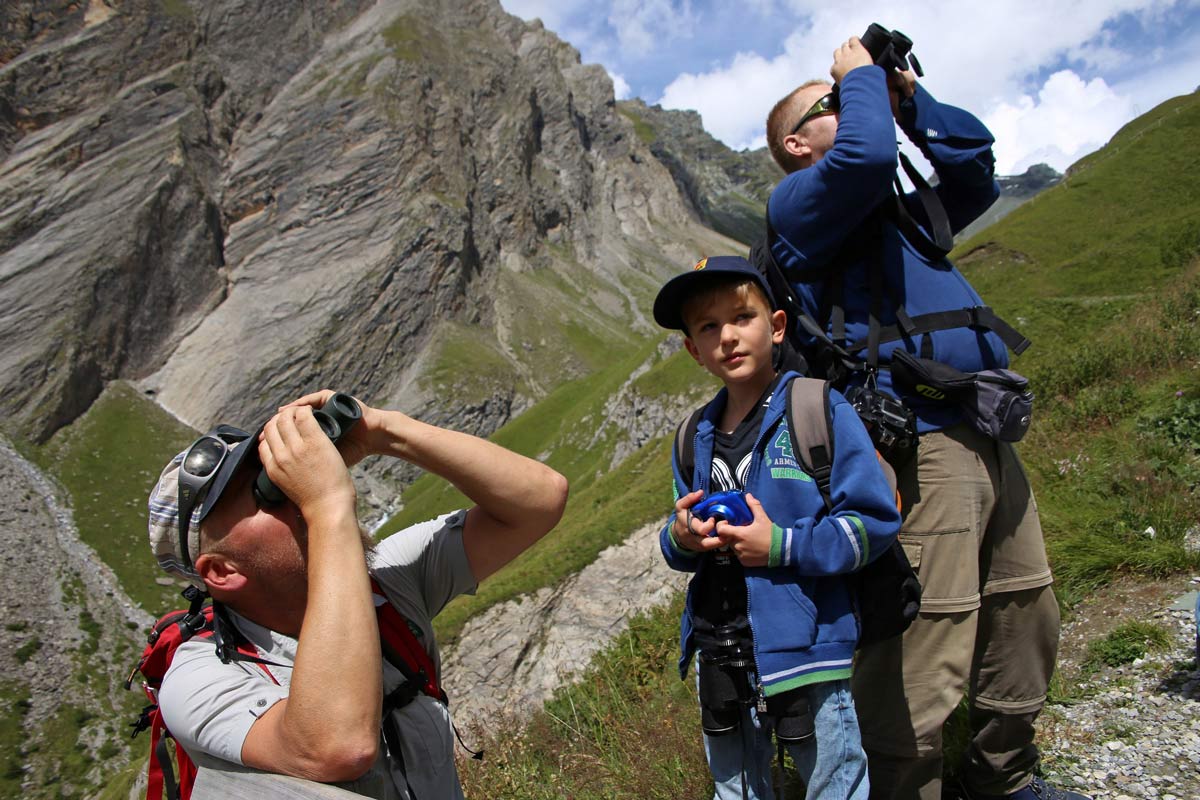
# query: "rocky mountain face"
726,189
510,659
233,202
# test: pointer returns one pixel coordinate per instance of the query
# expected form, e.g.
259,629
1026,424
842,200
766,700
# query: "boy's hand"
750,543
692,533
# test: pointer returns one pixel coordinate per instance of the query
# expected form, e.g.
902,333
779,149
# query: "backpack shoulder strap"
812,434
404,651
685,444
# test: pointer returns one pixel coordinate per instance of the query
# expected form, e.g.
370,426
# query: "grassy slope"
107,461
1102,274
604,505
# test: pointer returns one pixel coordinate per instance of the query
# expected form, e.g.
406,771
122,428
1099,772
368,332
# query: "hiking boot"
1037,789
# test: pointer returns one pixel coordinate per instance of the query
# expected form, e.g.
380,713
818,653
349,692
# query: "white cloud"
1068,119
732,102
643,25
982,57
621,90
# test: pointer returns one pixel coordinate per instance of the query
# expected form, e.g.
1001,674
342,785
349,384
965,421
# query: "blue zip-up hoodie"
815,210
801,610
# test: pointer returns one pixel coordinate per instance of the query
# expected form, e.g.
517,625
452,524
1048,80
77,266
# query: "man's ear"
690,346
220,572
797,145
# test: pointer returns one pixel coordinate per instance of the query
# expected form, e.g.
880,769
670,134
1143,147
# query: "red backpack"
164,639
397,641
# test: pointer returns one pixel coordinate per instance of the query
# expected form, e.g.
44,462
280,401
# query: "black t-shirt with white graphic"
719,597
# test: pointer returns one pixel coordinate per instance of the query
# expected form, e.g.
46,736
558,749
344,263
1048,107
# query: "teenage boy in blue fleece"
770,610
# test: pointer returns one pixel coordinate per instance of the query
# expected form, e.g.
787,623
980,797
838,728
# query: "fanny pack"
997,402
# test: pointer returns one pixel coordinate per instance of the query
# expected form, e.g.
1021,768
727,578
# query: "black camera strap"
875,284
934,247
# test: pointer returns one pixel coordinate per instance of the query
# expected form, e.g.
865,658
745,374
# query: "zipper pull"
761,704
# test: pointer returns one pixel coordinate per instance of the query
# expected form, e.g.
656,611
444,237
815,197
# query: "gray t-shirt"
209,706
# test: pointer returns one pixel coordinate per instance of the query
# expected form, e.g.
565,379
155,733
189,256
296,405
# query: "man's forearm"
510,487
327,729
337,683
517,500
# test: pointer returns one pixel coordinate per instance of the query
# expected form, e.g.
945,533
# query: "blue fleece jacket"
815,210
801,609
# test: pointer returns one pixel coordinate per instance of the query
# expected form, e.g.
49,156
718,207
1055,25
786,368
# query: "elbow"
555,502
880,165
347,759
562,489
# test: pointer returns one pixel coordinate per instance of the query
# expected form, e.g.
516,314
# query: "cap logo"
701,263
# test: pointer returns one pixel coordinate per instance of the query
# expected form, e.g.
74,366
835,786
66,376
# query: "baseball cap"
176,552
668,306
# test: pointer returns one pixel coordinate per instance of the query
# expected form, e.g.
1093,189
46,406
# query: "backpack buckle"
143,722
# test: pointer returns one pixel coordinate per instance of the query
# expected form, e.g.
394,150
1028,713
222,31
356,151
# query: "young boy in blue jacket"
770,610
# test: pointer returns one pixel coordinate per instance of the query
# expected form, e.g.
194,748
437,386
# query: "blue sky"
1054,79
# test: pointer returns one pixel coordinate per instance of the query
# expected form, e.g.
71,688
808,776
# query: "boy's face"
731,332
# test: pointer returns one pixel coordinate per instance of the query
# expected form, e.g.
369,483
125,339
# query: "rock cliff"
235,201
229,202
727,190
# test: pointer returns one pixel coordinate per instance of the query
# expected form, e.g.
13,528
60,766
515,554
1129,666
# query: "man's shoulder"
195,653
408,544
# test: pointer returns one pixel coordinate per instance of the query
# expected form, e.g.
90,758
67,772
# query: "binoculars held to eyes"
336,418
891,50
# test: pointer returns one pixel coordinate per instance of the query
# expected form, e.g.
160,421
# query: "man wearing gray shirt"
295,582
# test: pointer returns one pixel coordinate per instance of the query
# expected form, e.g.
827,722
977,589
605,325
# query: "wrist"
331,511
676,544
775,553
392,435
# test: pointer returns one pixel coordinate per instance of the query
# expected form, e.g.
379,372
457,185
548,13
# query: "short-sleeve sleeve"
209,706
425,565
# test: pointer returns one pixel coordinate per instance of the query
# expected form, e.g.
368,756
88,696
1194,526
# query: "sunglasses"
200,465
826,105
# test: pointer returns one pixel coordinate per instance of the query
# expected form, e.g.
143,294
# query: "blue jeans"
832,762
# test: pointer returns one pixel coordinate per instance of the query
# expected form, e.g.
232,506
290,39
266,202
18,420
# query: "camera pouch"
997,402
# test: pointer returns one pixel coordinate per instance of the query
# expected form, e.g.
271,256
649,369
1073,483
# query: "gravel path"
1136,732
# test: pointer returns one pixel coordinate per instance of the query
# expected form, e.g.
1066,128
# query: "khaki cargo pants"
988,624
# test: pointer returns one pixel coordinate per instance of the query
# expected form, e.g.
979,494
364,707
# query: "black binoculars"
336,418
890,49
